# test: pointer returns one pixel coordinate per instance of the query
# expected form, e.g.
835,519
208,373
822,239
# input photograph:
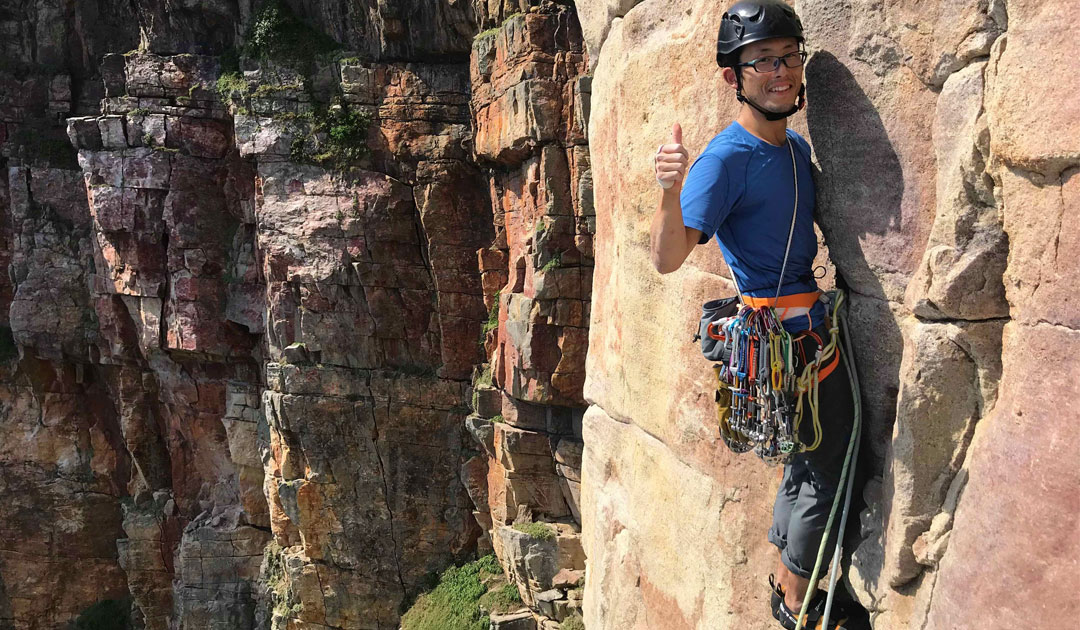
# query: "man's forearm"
668,234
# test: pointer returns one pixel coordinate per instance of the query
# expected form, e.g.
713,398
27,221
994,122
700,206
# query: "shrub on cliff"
540,531
454,604
276,33
336,137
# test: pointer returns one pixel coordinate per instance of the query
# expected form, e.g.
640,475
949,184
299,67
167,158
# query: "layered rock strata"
529,102
273,331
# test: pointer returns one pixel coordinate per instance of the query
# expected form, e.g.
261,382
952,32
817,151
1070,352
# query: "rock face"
932,188
281,337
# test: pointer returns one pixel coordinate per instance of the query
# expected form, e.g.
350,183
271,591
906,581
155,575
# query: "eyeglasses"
771,64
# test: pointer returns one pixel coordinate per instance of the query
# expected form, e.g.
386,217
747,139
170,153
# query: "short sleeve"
706,198
801,143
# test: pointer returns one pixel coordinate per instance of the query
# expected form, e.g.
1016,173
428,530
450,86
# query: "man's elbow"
664,265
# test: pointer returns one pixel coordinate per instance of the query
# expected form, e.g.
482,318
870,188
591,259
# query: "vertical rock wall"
530,110
171,208
937,170
238,351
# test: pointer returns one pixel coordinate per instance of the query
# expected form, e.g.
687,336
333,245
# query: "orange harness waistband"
788,306
795,300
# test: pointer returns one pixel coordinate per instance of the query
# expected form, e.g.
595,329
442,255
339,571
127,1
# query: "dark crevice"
956,320
386,495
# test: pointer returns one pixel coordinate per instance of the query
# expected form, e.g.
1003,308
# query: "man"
743,189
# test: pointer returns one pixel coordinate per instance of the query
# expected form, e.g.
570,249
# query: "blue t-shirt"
741,189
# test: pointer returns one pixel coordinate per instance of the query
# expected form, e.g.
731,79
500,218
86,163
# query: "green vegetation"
277,583
279,35
139,111
454,603
332,135
501,600
494,29
498,418
337,137
107,614
275,35
540,531
481,380
272,89
484,379
233,89
554,263
573,622
493,317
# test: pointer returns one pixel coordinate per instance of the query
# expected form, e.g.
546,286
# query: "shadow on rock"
860,187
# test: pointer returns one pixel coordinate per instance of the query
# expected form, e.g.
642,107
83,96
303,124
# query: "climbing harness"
762,395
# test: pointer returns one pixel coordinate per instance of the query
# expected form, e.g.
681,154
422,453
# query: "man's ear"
729,76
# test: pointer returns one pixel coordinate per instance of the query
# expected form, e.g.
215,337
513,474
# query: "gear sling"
762,397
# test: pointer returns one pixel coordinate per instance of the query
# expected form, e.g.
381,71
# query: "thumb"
676,133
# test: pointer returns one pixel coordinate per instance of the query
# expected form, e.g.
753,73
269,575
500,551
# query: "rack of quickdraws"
759,394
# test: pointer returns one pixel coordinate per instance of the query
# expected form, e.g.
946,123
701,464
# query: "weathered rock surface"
530,104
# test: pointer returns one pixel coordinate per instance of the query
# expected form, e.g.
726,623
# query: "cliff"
307,302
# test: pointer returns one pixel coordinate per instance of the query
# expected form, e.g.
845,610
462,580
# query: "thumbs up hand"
671,159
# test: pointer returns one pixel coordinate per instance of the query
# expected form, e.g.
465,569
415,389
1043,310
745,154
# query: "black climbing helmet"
751,21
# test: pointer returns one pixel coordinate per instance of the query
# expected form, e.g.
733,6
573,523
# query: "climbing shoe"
843,616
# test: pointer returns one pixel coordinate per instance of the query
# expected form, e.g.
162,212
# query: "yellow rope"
808,382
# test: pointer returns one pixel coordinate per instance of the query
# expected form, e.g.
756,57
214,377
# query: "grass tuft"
540,531
493,315
284,603
554,263
501,600
454,602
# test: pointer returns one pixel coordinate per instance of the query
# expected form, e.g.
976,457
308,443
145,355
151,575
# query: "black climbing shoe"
844,615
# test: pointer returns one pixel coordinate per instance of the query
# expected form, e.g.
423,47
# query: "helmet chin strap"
769,115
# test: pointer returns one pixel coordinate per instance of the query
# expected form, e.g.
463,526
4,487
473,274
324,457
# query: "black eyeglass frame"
776,61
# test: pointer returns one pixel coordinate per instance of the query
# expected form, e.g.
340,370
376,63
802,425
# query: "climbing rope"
845,482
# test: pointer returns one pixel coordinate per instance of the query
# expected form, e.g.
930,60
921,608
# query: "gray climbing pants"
812,479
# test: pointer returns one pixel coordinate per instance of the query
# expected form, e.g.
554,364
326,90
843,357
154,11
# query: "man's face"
775,90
